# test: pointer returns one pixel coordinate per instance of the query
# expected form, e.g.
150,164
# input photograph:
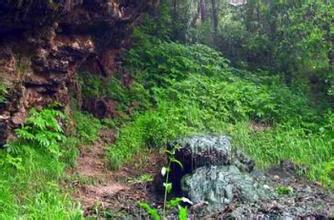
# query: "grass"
87,127
32,168
206,96
141,179
181,90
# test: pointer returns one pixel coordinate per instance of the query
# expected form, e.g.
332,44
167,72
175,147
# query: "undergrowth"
195,91
87,127
33,165
95,86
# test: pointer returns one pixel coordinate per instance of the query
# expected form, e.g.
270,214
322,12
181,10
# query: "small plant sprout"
165,171
168,186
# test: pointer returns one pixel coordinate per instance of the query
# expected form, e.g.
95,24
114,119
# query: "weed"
93,86
81,180
327,173
153,213
284,190
149,129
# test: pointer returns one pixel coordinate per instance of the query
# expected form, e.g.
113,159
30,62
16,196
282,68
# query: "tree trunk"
203,10
215,18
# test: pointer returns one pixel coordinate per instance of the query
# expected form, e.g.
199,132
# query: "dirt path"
101,191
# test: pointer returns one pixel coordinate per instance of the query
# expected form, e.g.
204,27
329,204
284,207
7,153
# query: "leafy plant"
42,131
327,173
174,203
153,213
165,171
149,129
94,86
32,167
206,95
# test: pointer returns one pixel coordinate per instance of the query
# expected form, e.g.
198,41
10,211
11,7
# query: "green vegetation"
269,84
94,86
32,167
195,90
145,178
173,203
87,127
294,39
284,190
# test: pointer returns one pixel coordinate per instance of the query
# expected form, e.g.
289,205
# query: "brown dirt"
259,126
99,189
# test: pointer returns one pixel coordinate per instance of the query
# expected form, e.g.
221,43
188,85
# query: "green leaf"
168,187
183,213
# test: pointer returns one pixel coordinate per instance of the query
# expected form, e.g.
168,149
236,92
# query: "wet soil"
106,194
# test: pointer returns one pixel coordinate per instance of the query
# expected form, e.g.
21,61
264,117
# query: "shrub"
158,64
41,130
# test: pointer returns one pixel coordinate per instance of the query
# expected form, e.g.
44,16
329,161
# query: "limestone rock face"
43,43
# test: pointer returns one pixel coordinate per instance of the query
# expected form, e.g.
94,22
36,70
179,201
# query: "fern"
41,131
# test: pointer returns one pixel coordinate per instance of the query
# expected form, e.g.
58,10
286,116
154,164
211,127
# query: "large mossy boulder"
198,151
204,151
213,172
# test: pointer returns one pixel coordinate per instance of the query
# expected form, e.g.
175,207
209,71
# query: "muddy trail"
106,194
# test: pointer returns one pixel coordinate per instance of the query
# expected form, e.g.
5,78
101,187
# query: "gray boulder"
204,150
198,151
220,186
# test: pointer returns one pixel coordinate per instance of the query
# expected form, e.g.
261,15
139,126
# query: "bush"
158,64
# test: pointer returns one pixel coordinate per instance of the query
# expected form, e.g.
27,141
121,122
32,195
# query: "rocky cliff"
44,42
